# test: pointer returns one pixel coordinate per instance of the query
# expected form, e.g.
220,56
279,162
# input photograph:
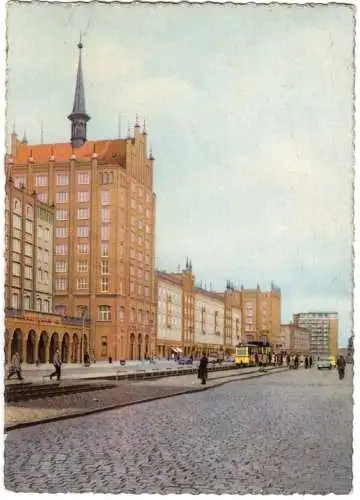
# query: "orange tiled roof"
62,152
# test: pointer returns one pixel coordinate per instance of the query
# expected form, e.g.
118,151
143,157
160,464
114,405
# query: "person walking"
340,363
203,369
306,362
57,365
310,361
15,367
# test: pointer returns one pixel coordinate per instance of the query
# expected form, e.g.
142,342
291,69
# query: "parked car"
230,359
324,364
185,361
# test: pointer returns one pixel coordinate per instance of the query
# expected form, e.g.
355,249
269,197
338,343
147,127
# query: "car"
324,364
185,361
230,359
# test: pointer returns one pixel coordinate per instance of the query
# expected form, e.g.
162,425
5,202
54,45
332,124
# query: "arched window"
38,304
122,314
17,206
46,306
104,313
29,212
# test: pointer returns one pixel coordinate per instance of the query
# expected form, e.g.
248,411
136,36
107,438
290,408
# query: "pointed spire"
129,133
78,116
151,157
137,124
24,139
42,133
187,263
144,128
190,266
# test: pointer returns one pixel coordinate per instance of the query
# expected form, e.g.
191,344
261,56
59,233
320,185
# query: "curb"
21,425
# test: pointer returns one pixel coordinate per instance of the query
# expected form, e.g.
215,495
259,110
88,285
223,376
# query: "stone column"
47,353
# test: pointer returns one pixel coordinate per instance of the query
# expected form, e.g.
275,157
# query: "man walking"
57,365
15,367
203,370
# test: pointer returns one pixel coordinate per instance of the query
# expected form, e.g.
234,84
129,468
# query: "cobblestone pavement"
125,392
283,433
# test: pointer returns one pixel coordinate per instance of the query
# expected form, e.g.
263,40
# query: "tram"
253,354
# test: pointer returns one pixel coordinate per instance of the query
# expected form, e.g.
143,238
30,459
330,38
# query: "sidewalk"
125,393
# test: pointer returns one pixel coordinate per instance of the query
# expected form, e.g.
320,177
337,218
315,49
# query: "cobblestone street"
283,433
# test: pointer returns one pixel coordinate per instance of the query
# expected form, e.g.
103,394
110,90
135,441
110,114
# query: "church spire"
78,116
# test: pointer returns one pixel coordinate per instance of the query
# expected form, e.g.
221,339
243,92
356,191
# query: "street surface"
284,433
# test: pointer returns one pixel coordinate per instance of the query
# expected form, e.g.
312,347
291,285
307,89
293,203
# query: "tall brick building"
104,229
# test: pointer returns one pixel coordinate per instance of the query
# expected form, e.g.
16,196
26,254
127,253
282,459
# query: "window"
122,314
46,234
20,181
46,306
81,283
29,226
41,180
105,215
62,179
17,221
82,266
28,250
60,283
40,232
146,291
104,267
61,250
105,232
83,196
61,197
15,301
104,346
43,197
83,248
61,232
104,250
82,213
16,245
104,313
61,215
60,309
105,197
82,231
133,315
29,212
61,266
46,256
16,269
38,304
83,178
27,302
106,177
28,270
104,283
39,274
46,277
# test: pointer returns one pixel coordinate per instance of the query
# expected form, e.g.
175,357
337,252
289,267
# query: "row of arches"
33,347
139,346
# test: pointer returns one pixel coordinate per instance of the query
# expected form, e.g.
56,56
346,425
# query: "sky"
250,119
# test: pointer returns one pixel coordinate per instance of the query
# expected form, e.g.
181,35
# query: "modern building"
31,328
295,339
104,229
324,331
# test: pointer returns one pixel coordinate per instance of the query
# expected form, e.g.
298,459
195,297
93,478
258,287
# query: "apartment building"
104,229
323,327
31,328
295,339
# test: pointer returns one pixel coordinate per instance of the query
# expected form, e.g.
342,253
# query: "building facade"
31,328
295,339
104,230
209,322
323,327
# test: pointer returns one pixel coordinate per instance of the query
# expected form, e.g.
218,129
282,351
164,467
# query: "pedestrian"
341,363
310,361
203,369
57,365
296,362
288,360
15,367
110,360
306,362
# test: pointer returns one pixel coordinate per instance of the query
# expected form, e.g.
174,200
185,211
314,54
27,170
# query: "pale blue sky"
249,112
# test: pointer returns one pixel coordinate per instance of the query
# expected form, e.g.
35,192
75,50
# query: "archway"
147,354
75,349
31,347
132,346
65,348
139,345
54,344
16,343
42,347
85,351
